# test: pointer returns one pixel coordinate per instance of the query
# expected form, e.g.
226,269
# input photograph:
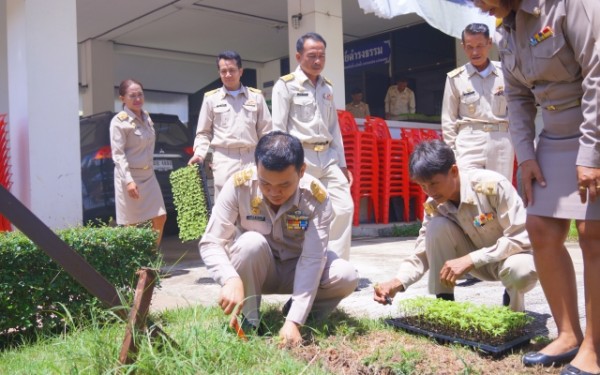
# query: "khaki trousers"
227,161
446,241
323,166
262,273
485,150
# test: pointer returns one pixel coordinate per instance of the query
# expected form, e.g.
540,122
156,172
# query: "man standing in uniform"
357,107
303,106
474,111
474,222
399,100
232,119
284,217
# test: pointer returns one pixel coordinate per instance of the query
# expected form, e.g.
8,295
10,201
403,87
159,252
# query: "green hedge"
32,285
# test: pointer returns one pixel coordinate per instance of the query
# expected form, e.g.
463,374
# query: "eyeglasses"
135,96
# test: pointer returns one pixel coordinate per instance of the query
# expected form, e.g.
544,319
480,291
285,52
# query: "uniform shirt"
470,98
557,71
132,143
299,230
360,110
231,122
397,103
307,111
498,234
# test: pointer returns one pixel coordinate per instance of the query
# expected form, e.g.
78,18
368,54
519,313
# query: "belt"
143,168
485,127
567,105
236,149
318,146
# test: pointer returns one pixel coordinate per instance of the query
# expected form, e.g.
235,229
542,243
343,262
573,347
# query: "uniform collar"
133,116
303,78
243,91
467,195
472,70
532,6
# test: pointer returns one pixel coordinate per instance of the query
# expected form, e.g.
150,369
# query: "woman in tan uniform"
551,57
137,194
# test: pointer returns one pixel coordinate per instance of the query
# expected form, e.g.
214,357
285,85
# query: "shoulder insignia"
498,22
255,90
241,177
456,72
209,93
122,115
487,187
327,81
430,208
288,77
317,191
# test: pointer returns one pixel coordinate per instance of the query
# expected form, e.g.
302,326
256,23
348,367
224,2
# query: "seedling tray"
494,350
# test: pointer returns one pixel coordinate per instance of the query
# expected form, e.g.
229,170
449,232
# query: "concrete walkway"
375,258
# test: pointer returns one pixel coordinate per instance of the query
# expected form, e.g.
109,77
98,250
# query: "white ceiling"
256,29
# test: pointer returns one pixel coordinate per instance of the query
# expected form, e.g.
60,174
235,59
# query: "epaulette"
327,81
122,115
255,90
486,187
430,208
498,22
241,177
456,72
287,77
318,192
209,93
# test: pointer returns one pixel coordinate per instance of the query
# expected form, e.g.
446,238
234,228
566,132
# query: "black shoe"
572,370
286,308
505,299
445,296
537,358
251,329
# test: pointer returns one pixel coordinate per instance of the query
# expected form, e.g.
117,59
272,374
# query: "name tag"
302,94
255,217
221,105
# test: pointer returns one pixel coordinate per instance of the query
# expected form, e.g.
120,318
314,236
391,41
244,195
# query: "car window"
172,134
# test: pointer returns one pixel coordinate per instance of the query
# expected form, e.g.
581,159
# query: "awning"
448,16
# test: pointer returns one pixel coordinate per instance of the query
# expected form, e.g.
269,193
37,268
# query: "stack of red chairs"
412,137
4,167
362,160
393,169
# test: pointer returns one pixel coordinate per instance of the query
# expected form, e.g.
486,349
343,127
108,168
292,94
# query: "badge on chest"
297,221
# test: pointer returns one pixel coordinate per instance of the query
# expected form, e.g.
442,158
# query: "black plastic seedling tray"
494,350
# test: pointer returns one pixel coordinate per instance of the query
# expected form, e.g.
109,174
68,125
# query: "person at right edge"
474,115
550,52
303,106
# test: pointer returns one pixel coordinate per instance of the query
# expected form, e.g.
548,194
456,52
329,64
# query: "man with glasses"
232,119
303,106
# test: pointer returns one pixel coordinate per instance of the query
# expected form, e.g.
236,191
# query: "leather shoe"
572,370
537,358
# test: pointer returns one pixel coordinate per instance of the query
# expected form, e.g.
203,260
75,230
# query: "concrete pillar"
325,18
96,76
43,108
3,60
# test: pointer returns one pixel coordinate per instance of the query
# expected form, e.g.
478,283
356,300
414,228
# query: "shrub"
33,287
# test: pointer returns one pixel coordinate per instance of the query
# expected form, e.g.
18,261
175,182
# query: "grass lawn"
342,345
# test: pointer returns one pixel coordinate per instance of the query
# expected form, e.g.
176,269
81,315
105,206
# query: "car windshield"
171,134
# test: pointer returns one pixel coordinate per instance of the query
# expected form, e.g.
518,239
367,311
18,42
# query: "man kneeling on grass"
474,223
283,216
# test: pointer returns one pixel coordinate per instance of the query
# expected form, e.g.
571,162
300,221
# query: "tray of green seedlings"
491,329
190,200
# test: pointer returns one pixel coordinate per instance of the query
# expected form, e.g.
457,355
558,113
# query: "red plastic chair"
360,149
393,168
412,137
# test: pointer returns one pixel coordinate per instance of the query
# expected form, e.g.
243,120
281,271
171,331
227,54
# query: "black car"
172,150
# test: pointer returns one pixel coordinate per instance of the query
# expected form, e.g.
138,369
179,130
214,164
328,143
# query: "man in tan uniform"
474,111
357,107
474,222
232,119
284,216
303,106
399,100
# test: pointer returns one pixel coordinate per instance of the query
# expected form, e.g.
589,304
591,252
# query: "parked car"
172,151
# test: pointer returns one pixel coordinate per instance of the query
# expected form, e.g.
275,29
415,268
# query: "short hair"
476,28
125,85
314,36
230,55
400,78
356,90
277,150
430,158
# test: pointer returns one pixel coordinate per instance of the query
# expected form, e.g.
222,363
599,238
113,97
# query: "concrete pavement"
375,258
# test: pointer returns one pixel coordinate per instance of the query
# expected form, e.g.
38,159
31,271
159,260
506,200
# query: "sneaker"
251,329
505,299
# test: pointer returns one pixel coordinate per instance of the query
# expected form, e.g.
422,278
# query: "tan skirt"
150,203
560,197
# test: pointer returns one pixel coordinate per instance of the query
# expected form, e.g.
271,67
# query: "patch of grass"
403,230
573,236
